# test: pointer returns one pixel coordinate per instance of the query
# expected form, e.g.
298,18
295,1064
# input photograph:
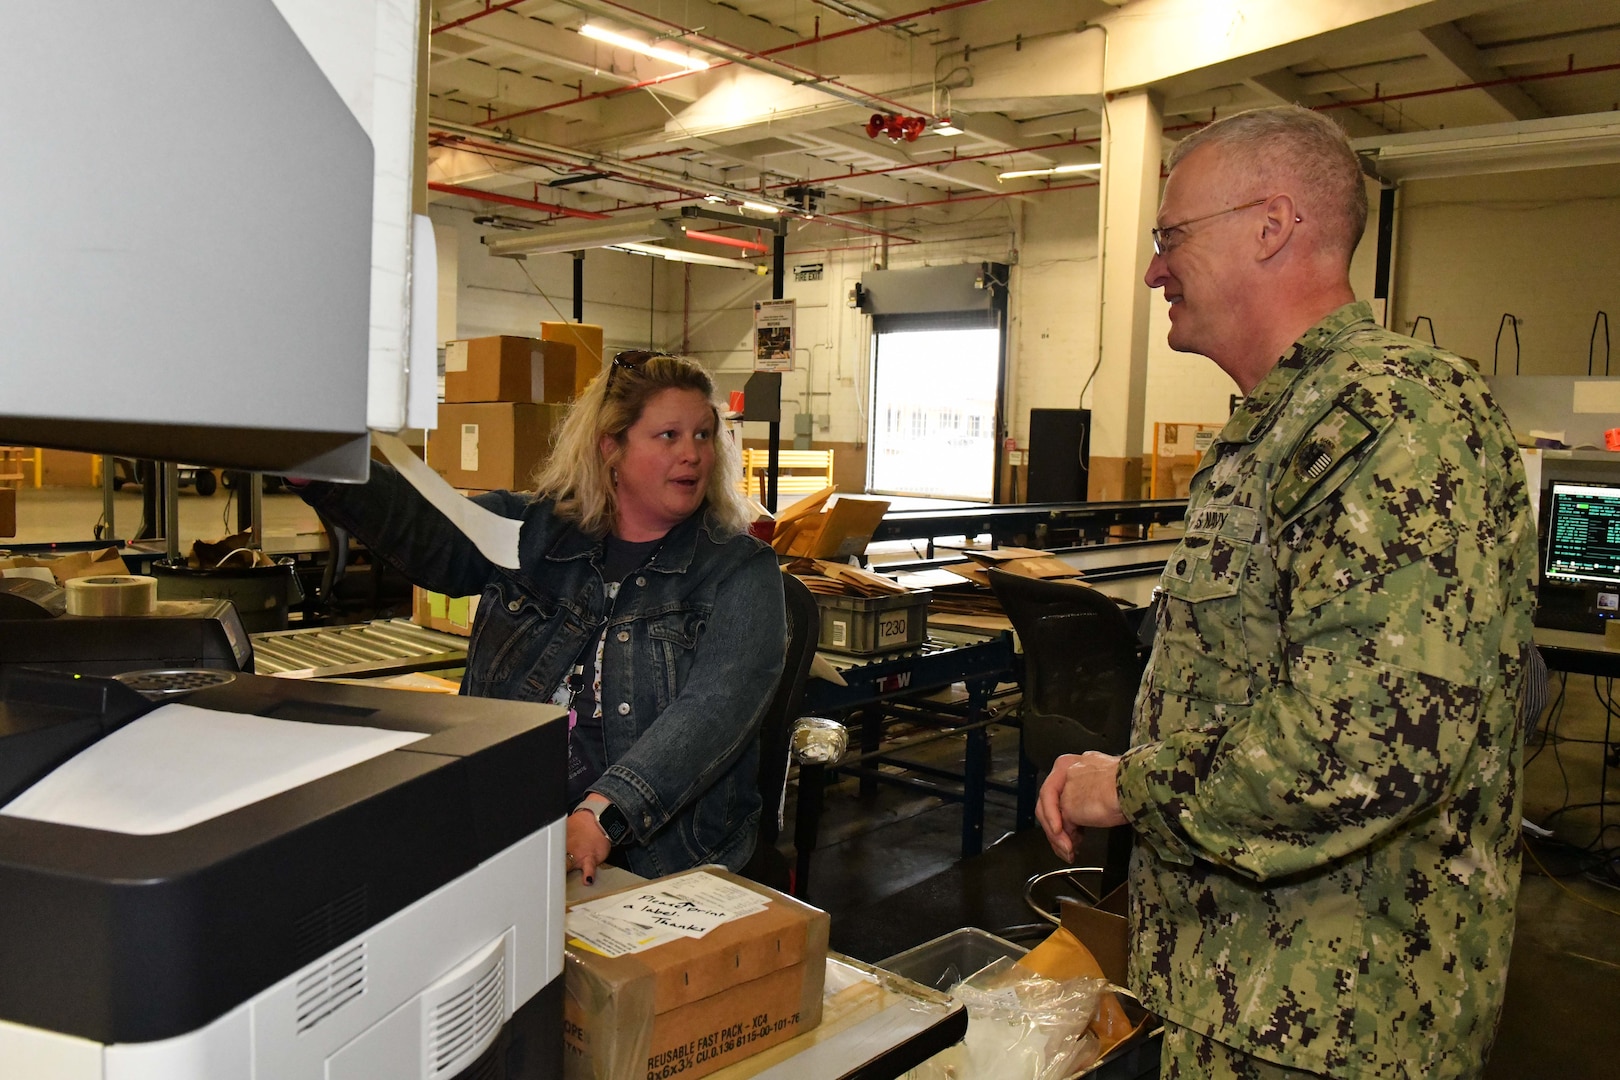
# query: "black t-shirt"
587,752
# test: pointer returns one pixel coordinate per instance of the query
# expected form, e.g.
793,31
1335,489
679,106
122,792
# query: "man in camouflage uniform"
1324,768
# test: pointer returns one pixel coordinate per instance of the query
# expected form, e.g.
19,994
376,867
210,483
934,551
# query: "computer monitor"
1583,535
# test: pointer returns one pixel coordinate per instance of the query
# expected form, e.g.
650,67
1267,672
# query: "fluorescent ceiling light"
1056,170
945,127
1550,143
679,255
761,208
606,234
597,33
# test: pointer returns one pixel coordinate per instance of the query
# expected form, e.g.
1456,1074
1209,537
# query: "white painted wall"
1544,246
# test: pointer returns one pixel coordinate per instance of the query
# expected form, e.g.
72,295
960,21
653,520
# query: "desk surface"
1580,654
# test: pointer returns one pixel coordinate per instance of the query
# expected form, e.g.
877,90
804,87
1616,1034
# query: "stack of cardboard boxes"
504,400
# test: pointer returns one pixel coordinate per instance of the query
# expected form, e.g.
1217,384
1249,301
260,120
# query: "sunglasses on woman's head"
630,360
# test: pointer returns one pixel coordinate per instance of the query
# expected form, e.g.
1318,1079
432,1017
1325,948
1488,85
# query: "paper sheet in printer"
180,765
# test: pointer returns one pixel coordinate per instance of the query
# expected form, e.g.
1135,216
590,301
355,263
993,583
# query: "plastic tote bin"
869,625
950,958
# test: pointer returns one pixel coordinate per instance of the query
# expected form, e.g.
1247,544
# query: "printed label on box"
687,906
840,634
455,356
469,447
893,626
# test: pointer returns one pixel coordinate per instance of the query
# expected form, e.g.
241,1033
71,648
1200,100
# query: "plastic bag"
1021,1026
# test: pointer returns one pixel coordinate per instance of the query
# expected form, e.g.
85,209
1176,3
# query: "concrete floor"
1563,990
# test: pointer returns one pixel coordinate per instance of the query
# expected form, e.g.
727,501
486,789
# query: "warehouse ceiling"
538,116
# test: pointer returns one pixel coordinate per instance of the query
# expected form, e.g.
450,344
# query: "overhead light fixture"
945,127
761,208
679,255
611,37
607,234
1056,170
1550,143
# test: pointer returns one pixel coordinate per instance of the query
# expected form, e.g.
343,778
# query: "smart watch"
610,819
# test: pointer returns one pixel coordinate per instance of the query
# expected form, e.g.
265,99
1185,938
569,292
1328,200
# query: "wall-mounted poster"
773,335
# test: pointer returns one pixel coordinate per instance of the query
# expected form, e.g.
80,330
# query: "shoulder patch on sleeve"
1336,437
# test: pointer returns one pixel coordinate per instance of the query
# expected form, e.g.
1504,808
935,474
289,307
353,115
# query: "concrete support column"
1130,200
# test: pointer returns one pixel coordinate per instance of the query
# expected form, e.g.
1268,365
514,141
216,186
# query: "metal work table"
978,660
1004,521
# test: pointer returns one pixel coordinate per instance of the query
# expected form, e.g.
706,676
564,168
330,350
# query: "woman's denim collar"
674,556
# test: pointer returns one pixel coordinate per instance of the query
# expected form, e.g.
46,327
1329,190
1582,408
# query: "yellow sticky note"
458,611
436,604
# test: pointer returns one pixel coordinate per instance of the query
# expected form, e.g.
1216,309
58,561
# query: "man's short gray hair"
1287,144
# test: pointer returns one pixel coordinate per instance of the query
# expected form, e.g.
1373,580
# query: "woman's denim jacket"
694,648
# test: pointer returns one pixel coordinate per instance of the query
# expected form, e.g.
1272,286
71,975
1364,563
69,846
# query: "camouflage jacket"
1326,748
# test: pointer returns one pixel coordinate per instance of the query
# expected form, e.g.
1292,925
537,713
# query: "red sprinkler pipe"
488,10
881,207
1511,80
512,200
728,241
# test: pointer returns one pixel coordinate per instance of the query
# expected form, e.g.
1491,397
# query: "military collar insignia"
1255,415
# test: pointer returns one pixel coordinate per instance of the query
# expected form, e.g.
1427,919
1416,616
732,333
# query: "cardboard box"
446,614
586,338
811,530
8,511
492,446
509,369
1121,1023
692,1005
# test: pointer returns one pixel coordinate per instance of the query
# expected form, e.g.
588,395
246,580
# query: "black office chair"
768,866
1082,667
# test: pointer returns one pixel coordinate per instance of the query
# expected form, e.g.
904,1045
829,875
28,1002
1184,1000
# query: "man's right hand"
1063,837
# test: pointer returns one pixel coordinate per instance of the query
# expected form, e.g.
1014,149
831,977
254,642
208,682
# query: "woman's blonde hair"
579,480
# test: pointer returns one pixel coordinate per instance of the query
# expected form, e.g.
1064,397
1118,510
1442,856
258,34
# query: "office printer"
278,878
35,632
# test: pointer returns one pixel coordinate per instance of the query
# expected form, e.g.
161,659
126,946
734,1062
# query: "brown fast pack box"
586,338
492,446
509,369
690,1006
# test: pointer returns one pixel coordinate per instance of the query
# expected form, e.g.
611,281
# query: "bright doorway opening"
934,413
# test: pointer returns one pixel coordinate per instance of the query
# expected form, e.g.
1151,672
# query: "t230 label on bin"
893,628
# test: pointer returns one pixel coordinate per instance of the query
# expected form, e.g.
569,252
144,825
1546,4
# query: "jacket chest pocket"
673,638
507,634
1200,650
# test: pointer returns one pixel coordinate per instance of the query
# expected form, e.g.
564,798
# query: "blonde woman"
641,604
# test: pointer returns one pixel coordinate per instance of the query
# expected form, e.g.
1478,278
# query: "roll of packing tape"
112,594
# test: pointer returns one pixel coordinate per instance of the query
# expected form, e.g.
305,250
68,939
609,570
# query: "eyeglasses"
1161,237
630,360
